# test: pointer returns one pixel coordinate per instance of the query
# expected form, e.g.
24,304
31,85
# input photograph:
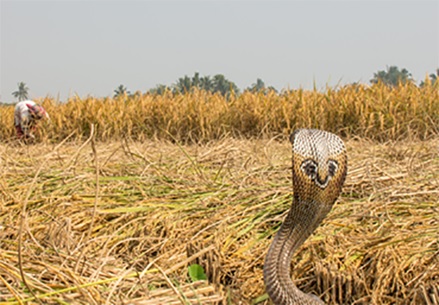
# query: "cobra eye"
309,167
332,167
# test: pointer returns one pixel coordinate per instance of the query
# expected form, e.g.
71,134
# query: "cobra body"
319,170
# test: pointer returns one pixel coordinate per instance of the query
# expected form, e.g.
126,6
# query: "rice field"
377,112
119,199
120,222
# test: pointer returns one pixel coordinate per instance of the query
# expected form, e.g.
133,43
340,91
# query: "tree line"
392,76
216,84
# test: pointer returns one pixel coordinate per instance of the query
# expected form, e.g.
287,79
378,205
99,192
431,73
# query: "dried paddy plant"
160,208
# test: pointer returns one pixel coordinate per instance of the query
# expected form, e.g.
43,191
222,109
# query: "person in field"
26,116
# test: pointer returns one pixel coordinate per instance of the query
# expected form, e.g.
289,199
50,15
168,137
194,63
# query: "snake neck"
299,224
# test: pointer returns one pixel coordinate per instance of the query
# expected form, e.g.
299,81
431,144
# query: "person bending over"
26,116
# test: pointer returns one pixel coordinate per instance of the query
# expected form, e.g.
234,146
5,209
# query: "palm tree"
120,91
22,92
433,78
183,85
159,89
224,86
196,80
392,76
206,83
258,86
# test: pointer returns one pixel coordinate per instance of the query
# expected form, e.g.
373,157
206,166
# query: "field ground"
120,222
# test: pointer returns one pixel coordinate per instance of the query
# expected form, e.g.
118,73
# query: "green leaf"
196,273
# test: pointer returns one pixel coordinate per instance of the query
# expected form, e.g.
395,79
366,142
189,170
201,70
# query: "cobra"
318,173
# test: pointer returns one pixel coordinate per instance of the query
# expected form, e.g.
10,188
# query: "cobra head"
319,166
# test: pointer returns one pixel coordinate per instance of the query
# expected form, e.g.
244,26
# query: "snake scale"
318,172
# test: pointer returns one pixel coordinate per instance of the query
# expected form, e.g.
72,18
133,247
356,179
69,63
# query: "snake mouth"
322,183
320,176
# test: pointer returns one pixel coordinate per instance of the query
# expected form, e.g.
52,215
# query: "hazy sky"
62,48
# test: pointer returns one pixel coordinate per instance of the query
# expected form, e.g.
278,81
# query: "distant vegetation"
120,91
392,76
22,93
203,108
217,84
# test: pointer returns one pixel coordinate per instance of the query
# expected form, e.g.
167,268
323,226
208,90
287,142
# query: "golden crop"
376,112
120,221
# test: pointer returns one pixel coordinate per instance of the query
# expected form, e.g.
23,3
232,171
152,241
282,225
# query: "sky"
88,48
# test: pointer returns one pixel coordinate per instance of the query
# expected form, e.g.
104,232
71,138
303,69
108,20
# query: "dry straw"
122,195
160,207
